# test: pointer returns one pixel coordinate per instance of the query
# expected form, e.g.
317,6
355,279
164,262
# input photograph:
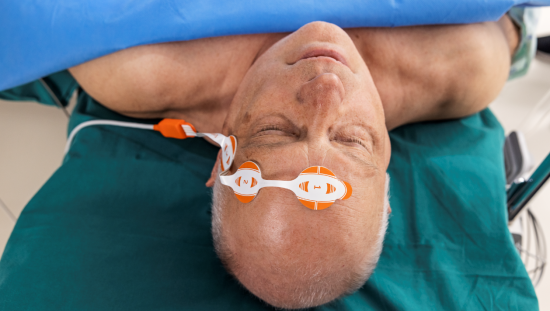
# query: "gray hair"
372,261
309,297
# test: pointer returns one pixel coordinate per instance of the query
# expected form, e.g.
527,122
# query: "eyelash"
276,128
357,141
270,128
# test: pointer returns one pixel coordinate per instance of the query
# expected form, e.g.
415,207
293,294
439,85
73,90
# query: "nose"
322,98
324,92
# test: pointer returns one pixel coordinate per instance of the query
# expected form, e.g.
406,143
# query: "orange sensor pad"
316,187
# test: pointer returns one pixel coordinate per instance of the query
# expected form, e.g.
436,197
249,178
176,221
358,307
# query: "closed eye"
270,128
274,130
353,142
355,136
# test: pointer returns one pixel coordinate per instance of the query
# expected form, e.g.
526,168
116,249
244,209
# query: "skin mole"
246,118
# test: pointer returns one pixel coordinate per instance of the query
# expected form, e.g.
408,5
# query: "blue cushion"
40,37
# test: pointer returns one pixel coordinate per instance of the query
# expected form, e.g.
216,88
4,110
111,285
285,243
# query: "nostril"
323,89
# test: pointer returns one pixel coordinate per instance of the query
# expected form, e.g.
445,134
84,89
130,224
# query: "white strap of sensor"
227,144
316,187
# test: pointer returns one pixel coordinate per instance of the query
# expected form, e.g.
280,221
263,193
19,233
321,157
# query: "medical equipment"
517,158
133,229
523,190
526,231
530,243
543,49
525,226
316,187
127,216
171,128
174,128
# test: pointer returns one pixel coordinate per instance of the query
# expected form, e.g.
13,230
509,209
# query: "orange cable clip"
172,128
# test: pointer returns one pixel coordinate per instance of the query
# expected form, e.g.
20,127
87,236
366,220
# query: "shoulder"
435,72
147,81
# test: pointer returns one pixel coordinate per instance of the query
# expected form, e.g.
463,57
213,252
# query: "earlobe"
215,171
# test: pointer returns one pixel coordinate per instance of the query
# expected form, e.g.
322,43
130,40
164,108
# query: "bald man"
320,96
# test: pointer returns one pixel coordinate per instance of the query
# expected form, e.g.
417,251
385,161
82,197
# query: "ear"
388,158
215,170
387,150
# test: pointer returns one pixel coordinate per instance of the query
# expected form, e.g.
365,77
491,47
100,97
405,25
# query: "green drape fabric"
124,224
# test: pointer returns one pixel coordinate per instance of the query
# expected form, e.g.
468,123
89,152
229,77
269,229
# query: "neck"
219,83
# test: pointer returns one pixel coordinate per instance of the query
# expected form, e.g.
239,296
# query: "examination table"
124,223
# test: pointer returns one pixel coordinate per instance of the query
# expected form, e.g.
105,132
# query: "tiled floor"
32,138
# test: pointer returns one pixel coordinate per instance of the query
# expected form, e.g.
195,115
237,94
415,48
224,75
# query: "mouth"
324,53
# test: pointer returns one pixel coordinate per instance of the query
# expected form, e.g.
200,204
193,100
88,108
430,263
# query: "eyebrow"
358,160
280,115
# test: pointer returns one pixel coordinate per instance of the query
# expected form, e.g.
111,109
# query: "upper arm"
127,81
435,72
151,80
481,71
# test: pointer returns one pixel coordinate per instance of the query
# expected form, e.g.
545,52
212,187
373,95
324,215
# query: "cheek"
366,203
372,202
363,216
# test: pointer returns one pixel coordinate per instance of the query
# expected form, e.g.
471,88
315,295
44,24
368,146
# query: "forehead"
316,187
305,142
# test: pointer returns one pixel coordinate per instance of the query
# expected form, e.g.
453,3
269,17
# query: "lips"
320,52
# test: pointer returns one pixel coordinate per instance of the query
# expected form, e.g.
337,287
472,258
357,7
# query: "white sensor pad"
316,187
229,148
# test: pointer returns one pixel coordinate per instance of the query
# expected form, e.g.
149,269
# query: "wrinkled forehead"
276,214
316,187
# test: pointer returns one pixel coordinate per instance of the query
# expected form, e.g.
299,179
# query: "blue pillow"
40,37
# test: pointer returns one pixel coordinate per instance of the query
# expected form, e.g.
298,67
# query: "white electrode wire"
540,250
103,122
7,210
537,253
